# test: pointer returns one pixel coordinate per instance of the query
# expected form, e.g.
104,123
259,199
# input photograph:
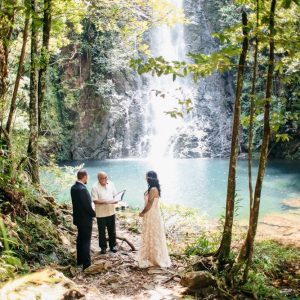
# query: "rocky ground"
120,277
117,275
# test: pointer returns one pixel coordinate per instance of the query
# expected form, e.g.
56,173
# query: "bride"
153,251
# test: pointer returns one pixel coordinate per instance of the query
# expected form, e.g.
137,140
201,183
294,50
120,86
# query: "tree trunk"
4,140
3,69
246,252
224,249
7,18
252,110
266,136
18,77
32,150
44,58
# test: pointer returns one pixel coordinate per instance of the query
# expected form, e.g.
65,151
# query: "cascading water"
205,132
164,94
136,124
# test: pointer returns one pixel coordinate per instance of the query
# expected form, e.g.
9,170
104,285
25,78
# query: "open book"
119,196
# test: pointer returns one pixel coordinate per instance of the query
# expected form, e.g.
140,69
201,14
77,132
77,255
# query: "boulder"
197,280
41,284
100,266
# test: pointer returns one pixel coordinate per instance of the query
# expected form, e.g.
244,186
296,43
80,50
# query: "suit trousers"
110,224
83,244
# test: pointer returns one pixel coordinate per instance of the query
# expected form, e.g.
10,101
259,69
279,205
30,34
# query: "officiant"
102,194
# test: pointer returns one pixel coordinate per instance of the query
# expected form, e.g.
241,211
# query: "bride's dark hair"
152,181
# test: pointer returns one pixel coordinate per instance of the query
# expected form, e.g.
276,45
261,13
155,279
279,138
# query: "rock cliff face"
106,125
110,126
115,125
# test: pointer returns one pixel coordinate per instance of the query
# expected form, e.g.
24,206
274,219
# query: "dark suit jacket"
83,212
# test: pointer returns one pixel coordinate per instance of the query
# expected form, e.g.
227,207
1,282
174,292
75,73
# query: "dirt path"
122,279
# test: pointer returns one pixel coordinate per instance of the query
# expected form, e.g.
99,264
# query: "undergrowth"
274,272
33,231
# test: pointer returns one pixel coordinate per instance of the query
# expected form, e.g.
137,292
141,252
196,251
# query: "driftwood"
125,240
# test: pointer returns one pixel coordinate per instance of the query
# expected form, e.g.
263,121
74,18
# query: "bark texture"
18,77
246,252
44,58
32,150
224,250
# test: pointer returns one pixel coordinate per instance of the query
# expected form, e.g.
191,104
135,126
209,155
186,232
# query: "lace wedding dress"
153,250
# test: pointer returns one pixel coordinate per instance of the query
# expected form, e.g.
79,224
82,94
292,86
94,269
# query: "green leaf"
286,3
283,137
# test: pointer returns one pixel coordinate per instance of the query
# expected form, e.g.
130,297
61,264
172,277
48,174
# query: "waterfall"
137,125
131,122
164,93
206,130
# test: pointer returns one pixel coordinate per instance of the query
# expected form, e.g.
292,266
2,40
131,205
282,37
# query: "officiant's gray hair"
101,173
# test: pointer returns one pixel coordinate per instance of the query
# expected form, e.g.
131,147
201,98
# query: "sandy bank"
283,227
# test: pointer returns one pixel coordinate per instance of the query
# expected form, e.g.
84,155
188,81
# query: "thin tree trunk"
7,18
32,150
252,110
3,74
246,253
44,58
18,77
244,250
266,136
3,69
224,249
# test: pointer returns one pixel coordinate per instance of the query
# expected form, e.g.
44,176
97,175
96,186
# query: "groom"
83,214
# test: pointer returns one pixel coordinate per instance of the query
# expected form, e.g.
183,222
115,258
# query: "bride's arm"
152,195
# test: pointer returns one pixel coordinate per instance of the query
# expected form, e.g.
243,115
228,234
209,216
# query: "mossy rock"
197,280
41,284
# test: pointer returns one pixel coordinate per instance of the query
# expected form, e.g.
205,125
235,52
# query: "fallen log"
128,242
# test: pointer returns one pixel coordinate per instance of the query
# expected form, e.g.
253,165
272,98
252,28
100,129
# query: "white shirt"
107,192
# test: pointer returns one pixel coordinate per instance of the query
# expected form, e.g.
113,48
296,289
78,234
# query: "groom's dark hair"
81,173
